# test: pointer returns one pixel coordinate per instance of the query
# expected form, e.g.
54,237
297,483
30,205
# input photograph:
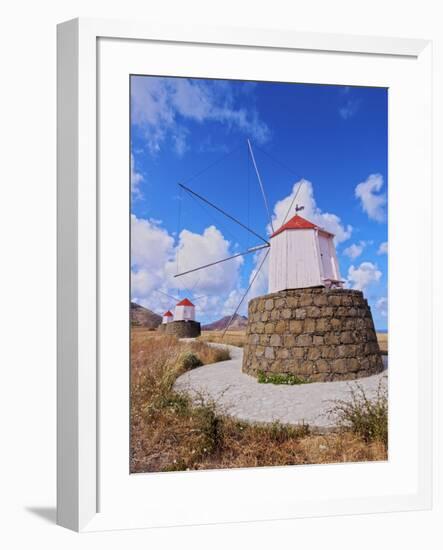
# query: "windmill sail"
245,294
249,251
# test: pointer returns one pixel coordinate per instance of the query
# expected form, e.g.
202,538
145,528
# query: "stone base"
181,329
317,334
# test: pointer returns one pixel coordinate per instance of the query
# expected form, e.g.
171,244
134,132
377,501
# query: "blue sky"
329,140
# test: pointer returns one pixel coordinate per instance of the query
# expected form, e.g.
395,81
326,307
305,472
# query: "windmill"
182,322
312,247
307,325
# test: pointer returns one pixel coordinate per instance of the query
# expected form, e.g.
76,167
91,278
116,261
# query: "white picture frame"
83,490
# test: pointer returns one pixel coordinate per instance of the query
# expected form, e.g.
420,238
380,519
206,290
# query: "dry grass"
382,338
232,337
169,432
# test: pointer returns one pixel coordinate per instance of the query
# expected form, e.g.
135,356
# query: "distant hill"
143,317
238,323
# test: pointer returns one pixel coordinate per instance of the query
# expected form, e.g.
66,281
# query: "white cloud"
372,200
305,197
383,248
359,278
260,284
155,257
195,250
159,104
151,248
136,180
349,109
233,300
354,250
381,306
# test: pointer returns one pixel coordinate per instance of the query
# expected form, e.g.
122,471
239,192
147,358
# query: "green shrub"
209,425
189,360
365,417
273,378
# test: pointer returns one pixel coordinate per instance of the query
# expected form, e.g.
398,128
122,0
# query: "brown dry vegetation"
170,432
382,338
232,337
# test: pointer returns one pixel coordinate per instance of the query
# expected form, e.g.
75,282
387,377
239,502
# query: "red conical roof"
185,302
297,222
167,314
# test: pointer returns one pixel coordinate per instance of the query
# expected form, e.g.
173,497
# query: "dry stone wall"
317,334
181,329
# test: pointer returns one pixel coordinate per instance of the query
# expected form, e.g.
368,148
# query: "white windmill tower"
185,310
302,255
167,317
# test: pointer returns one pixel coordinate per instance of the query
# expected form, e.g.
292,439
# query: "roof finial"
298,209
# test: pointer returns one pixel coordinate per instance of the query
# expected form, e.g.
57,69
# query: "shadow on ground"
47,513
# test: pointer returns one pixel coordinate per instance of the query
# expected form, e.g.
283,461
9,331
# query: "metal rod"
168,295
261,184
292,202
223,212
244,295
249,251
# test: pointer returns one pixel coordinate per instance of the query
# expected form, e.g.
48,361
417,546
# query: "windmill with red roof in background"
182,323
185,310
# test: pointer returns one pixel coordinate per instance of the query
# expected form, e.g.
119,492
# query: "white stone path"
241,396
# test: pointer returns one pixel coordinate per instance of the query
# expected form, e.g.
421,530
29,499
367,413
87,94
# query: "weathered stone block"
259,351
321,300
296,326
275,340
309,325
289,340
314,353
275,314
282,353
259,328
323,324
322,366
292,302
286,313
305,300
280,327
339,365
303,340
306,368
332,339
318,340
300,313
334,300
346,337
336,324
298,353
264,339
